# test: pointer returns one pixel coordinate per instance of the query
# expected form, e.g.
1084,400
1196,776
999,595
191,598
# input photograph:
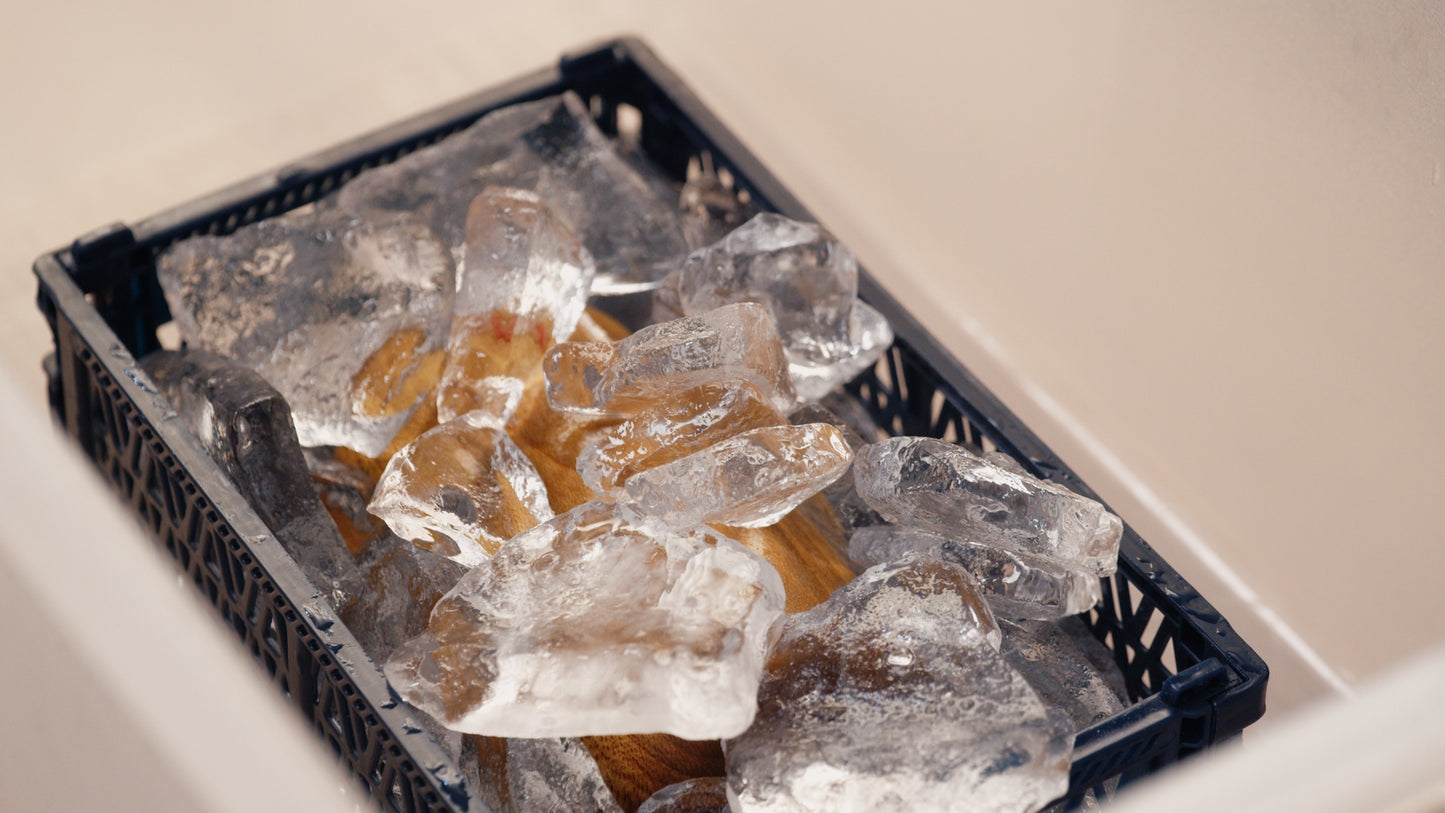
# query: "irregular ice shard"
947,490
1061,673
551,773
1016,585
1099,656
550,147
344,318
401,583
889,697
673,428
707,795
599,621
806,279
870,335
461,490
245,426
657,362
751,480
524,282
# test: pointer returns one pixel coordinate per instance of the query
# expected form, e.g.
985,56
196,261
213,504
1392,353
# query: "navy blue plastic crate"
1193,681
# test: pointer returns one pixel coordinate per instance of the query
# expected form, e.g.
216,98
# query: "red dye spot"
503,324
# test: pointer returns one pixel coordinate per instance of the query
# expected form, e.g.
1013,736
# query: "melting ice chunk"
890,697
707,795
947,490
806,279
657,362
344,318
461,490
1061,673
550,773
599,621
673,428
245,426
524,282
750,480
1016,585
1098,655
553,148
401,584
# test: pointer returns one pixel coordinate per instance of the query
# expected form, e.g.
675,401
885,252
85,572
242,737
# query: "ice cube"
401,583
659,361
1099,656
870,336
1016,585
1061,674
945,489
599,621
705,795
805,278
461,490
750,480
551,147
550,773
673,428
890,697
245,426
345,318
525,282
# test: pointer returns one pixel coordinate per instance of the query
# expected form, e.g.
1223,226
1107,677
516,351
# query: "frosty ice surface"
1059,671
806,279
1016,585
400,584
657,362
461,490
549,773
890,697
599,621
947,490
345,318
749,480
551,147
706,795
524,282
673,428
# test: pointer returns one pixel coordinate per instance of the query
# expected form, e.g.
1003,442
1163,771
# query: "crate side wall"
235,571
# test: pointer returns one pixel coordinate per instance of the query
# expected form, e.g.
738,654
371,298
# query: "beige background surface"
1197,246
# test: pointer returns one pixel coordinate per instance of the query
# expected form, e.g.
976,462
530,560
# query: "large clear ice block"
600,621
890,696
945,489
